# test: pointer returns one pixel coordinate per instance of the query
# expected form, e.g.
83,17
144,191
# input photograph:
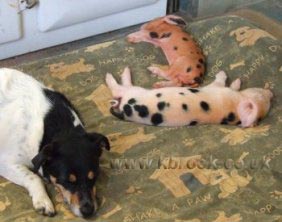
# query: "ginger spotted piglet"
185,58
180,106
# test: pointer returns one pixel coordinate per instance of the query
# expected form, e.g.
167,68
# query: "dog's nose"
198,80
87,210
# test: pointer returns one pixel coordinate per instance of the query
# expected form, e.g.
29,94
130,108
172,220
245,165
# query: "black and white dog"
41,131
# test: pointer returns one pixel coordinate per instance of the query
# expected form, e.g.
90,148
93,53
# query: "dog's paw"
44,206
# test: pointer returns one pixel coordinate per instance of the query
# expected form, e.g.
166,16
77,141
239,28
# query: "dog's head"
159,28
71,162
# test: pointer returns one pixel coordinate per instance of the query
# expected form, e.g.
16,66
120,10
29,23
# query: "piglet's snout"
114,103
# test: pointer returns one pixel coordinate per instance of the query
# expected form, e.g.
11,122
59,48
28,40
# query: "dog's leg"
236,84
126,77
162,72
220,80
21,175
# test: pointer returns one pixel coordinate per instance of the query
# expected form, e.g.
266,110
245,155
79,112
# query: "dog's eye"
90,175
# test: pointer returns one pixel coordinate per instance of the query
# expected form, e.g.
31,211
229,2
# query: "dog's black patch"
59,117
175,47
158,95
198,80
231,117
189,69
157,119
205,106
131,101
127,110
166,35
193,123
154,35
142,110
185,39
193,90
185,107
161,105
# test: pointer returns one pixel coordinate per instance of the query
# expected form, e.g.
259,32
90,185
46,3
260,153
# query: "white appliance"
53,22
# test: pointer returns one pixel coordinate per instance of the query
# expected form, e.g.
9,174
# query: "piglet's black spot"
154,35
158,95
168,104
193,123
166,35
175,47
181,93
142,110
231,117
199,66
117,114
161,105
184,39
184,107
127,110
198,80
238,123
224,121
131,101
193,90
157,119
201,61
205,106
189,69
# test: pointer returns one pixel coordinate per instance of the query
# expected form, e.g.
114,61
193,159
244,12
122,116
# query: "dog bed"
171,188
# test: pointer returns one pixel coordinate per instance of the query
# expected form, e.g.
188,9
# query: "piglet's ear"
248,113
175,20
42,157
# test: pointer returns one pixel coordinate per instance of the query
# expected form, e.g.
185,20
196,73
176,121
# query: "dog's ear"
44,155
100,140
175,20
